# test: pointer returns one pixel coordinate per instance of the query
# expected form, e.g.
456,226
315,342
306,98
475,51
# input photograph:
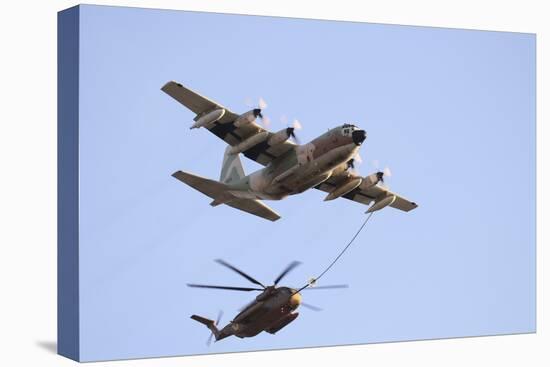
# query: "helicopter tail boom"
209,324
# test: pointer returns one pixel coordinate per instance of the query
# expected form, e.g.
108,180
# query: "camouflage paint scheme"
273,309
289,168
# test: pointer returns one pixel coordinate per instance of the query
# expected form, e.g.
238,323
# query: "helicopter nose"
295,300
359,136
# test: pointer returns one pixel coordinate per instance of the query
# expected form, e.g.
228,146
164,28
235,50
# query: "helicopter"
273,309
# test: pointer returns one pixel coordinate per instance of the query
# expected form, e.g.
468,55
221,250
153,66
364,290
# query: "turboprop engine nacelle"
208,118
352,183
249,143
344,188
280,136
247,117
371,180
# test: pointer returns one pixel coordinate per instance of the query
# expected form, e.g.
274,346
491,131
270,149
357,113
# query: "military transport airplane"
289,168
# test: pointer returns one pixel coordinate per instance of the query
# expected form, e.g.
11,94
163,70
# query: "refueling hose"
314,280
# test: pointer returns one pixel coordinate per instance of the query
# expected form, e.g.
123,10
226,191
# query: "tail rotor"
209,341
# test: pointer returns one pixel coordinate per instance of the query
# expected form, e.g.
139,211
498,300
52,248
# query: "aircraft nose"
295,300
359,136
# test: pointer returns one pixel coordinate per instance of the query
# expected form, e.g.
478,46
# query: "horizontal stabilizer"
255,207
208,187
222,194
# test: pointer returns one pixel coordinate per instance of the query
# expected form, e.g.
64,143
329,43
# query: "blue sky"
451,112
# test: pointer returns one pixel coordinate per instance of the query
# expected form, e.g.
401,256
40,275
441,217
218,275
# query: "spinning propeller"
261,105
209,341
266,121
351,163
381,174
291,128
284,273
287,270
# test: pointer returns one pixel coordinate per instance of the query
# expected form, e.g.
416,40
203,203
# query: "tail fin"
209,324
232,168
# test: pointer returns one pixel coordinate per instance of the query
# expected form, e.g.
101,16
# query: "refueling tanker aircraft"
324,163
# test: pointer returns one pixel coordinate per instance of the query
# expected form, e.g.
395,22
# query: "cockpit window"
347,129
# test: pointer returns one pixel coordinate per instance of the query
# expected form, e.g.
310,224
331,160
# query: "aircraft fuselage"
305,166
271,311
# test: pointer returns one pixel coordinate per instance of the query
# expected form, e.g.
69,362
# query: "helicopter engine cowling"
265,294
249,311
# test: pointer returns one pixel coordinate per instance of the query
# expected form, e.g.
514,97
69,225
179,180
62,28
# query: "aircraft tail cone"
210,324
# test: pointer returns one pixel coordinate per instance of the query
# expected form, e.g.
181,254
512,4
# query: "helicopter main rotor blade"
244,289
336,286
289,268
311,286
220,261
311,307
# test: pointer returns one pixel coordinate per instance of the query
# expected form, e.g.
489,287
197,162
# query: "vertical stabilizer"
232,168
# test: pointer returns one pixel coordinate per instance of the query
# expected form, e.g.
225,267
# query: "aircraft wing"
366,194
225,129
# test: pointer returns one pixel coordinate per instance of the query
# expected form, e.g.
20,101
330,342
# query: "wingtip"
170,83
177,173
165,86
